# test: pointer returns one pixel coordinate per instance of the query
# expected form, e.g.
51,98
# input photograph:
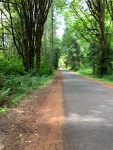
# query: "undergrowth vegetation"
11,65
29,48
108,79
15,83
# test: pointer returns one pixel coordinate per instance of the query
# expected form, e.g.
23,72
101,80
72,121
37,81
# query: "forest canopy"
88,28
22,25
29,47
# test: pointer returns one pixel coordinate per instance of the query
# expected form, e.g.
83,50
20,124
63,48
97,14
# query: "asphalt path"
89,114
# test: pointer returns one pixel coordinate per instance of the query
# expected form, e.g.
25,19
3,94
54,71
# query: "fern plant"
5,98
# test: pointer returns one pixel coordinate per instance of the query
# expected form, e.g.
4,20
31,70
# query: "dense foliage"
29,47
88,27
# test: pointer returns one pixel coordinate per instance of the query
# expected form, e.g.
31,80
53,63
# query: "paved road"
89,114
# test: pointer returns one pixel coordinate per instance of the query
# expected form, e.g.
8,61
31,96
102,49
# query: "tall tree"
26,21
97,10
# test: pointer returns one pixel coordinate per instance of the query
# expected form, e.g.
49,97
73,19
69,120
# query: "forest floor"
37,123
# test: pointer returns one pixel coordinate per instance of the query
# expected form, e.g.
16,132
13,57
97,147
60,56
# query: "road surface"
89,114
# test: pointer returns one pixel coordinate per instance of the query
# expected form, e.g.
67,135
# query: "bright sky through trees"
61,27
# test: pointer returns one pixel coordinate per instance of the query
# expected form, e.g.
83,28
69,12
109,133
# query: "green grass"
15,84
3,111
108,79
11,66
85,72
15,87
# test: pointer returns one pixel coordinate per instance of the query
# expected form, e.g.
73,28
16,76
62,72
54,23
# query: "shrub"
15,83
13,66
5,98
14,87
46,70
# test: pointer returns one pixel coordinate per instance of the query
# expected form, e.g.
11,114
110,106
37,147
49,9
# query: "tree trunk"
104,62
38,52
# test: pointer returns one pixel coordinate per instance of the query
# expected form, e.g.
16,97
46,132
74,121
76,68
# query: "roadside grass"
3,111
15,88
15,84
107,79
